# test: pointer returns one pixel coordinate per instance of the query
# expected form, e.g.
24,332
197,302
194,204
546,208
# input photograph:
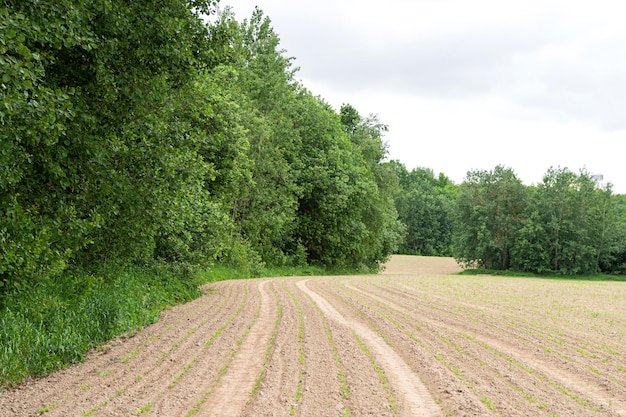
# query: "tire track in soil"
567,380
276,393
284,376
205,353
231,395
416,399
454,393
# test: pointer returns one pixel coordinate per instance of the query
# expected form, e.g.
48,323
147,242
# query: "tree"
91,164
265,207
566,230
41,223
489,215
614,260
378,211
335,187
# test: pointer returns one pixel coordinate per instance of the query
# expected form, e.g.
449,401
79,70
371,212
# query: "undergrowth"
224,272
57,321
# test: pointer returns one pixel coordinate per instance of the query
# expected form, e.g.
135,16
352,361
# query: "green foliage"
40,224
264,207
89,157
350,118
489,211
136,134
316,193
615,259
565,225
425,207
346,214
568,230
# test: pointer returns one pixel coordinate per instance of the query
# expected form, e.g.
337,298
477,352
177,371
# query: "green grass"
547,275
57,321
224,272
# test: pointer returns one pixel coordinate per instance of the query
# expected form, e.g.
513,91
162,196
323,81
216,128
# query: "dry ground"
413,341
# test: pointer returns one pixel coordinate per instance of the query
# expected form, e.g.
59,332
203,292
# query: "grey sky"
471,84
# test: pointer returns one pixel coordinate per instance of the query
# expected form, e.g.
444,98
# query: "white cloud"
467,85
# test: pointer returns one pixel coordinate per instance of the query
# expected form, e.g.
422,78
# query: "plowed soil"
416,340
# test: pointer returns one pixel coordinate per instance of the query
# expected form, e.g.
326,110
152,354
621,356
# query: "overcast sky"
471,84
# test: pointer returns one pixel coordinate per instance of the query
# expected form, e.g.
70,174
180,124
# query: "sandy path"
416,340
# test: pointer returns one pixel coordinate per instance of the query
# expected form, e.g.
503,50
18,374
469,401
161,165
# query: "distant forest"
136,133
566,224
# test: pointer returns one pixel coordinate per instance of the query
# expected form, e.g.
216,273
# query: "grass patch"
224,272
547,275
57,321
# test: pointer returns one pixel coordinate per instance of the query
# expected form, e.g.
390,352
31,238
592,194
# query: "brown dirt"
416,340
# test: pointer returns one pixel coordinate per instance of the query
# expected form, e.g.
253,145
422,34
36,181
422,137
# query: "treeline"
168,132
136,132
566,224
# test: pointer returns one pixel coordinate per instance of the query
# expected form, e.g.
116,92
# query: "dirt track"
414,341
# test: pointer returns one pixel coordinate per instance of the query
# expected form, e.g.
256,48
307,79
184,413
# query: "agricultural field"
416,340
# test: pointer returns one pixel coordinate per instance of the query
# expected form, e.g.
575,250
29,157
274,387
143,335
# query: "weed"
47,408
50,326
490,405
143,410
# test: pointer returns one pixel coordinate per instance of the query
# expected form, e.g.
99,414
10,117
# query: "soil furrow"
231,395
416,398
565,383
416,340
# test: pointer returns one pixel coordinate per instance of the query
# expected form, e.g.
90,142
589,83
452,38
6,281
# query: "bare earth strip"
416,340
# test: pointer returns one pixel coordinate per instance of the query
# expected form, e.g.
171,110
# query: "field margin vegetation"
546,275
56,323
